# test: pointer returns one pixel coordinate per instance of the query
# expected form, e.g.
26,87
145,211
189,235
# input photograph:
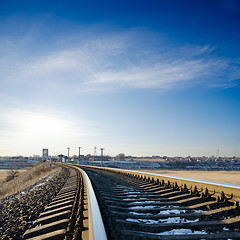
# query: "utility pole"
68,152
79,153
101,155
95,151
94,154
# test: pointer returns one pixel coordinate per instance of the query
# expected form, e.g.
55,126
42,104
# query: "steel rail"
96,226
218,190
194,180
96,229
130,207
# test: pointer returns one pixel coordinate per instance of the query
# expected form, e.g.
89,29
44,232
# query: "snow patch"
146,221
135,192
136,213
172,211
197,211
129,199
182,231
143,207
226,229
167,220
133,195
143,202
170,206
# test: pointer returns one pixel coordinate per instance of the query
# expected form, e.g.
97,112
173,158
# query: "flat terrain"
232,177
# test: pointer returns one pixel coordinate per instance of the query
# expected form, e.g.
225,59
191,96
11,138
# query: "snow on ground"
170,206
136,213
166,220
143,207
181,231
198,211
136,202
226,229
129,199
41,183
172,211
146,221
134,192
133,195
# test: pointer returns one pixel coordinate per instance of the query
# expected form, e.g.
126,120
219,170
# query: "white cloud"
125,60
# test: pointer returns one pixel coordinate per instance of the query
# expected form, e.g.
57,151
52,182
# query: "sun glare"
45,126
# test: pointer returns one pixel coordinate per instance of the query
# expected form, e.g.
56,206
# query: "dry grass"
24,178
4,173
232,177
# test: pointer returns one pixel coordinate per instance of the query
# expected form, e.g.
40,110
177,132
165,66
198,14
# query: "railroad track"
135,205
73,213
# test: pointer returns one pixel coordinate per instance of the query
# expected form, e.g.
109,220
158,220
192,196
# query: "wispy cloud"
120,60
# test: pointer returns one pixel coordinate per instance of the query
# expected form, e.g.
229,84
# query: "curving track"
136,205
73,213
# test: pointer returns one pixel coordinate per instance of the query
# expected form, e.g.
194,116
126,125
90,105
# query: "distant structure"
95,151
61,158
94,154
45,154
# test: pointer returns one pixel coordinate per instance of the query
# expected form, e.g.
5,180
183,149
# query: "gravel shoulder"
20,210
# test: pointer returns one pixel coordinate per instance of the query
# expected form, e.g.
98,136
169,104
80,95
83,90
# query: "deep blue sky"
139,77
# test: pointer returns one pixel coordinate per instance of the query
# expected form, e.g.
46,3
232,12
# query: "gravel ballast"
17,212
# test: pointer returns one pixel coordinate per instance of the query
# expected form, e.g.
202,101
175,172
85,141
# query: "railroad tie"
53,222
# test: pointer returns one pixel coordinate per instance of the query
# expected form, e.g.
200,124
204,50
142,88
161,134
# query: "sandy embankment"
232,177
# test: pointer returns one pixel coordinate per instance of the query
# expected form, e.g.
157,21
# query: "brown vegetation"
11,175
17,181
4,173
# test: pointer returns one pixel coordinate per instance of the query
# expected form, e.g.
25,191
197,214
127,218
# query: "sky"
148,77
